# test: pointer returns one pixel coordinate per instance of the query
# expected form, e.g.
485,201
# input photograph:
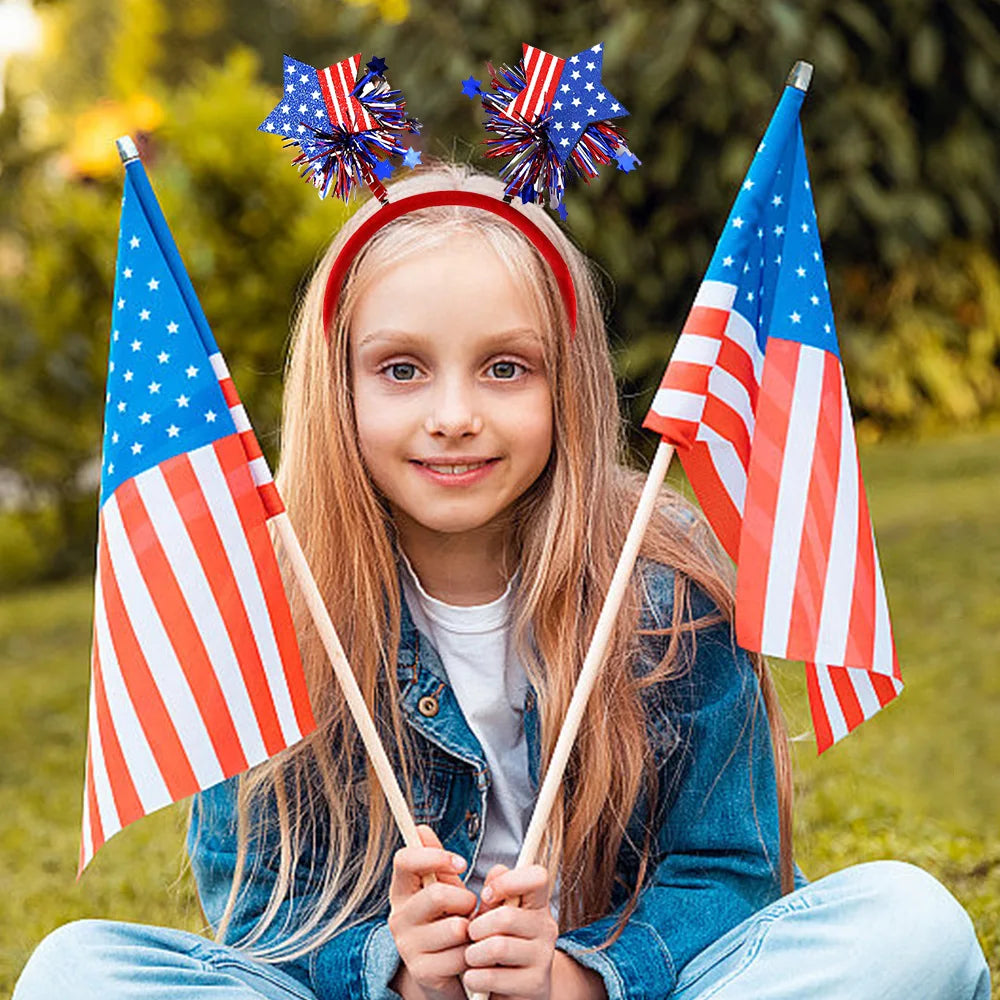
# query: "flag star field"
770,250
162,396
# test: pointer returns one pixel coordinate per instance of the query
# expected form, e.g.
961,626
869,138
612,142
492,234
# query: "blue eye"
402,371
505,369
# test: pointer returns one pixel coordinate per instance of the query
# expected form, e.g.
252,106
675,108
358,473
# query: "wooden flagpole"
800,77
552,782
359,710
349,685
335,651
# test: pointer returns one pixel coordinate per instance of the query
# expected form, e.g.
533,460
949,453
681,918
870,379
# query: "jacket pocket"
432,785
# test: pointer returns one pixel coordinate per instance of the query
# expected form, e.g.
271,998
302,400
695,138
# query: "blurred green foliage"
902,128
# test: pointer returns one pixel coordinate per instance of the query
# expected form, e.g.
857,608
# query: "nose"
453,411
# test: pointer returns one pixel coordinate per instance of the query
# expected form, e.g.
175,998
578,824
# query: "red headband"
394,209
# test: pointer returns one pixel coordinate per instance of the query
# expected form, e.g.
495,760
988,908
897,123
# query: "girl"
452,460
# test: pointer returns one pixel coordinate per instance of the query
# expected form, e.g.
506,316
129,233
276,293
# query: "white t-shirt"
490,685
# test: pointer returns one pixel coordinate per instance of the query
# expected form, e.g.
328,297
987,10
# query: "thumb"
428,838
489,901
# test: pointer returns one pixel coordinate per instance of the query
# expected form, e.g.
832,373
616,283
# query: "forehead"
460,284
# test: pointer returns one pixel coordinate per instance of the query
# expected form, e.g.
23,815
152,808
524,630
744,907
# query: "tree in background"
902,127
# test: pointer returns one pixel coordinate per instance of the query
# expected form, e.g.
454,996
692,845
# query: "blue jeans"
884,930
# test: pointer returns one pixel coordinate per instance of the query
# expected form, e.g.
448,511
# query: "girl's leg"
884,930
105,960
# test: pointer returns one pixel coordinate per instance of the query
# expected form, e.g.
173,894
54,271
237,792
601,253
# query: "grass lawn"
920,782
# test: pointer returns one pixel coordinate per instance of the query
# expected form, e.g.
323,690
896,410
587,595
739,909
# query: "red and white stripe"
542,71
336,83
259,468
769,448
195,673
706,405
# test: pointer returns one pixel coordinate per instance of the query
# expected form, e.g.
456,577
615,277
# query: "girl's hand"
429,925
514,947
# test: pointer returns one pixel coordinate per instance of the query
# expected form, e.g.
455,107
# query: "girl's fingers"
502,949
439,900
513,921
441,935
530,981
487,897
495,872
529,884
411,864
434,969
427,836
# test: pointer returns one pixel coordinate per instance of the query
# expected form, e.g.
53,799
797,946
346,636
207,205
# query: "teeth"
455,470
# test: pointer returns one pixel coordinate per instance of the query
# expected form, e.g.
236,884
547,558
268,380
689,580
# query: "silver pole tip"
126,149
800,76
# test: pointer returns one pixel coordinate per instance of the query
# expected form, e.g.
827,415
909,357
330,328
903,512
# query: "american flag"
568,91
755,401
318,99
195,669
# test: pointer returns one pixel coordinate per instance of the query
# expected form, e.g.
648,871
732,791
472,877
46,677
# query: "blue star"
471,87
412,157
383,170
626,161
561,209
297,104
580,99
376,65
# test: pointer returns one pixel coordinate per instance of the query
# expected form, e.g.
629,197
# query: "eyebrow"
516,337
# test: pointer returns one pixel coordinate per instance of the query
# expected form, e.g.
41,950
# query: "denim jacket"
716,846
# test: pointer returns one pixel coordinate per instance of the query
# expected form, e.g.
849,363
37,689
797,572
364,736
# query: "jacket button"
428,706
472,826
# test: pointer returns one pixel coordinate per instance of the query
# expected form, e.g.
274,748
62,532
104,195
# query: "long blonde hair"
567,531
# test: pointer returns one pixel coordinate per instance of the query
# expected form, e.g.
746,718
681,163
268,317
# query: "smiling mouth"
449,469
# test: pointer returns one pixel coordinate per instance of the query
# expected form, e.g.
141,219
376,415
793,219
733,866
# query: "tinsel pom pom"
344,162
534,169
344,134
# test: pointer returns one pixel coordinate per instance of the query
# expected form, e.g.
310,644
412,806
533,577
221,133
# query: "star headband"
549,116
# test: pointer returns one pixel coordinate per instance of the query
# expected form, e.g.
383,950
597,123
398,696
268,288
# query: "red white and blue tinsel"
343,125
552,118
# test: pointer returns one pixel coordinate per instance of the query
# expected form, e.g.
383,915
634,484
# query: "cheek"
377,433
534,429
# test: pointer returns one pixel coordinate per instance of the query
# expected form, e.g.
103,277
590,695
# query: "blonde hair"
567,532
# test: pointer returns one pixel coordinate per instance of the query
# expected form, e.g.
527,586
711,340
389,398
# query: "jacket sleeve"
717,840
359,962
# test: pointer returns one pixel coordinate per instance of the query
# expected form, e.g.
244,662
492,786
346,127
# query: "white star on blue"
160,384
770,246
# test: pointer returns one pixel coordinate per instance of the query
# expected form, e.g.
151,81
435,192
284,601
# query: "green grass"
920,782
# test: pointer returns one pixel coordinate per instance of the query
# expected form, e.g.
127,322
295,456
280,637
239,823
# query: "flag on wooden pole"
755,401
195,672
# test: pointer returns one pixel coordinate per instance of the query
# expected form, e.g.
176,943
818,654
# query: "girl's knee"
921,922
64,963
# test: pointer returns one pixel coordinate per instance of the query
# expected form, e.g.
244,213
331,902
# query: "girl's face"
451,397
